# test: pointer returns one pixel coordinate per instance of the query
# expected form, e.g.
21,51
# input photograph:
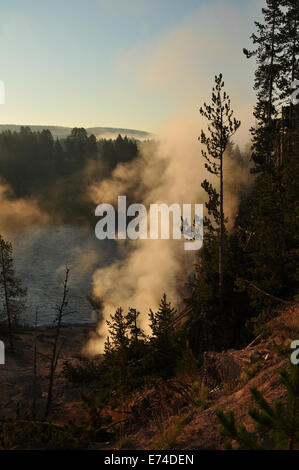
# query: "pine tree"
272,203
222,126
290,47
161,322
12,293
163,346
267,76
281,422
135,332
108,348
118,329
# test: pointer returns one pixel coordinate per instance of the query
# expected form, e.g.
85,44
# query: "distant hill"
99,132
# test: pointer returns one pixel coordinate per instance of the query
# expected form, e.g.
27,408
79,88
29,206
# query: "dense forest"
245,271
58,172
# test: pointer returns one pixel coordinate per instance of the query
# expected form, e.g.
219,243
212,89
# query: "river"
40,254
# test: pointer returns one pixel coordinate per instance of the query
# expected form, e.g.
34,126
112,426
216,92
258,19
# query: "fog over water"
40,254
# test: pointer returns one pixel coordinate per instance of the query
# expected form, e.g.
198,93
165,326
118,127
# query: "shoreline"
16,375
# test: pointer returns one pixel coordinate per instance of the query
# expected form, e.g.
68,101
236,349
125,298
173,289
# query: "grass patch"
167,440
199,395
249,372
126,443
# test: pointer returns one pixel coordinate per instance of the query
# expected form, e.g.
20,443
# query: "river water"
40,254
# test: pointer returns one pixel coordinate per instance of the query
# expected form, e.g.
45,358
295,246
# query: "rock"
166,397
254,356
227,366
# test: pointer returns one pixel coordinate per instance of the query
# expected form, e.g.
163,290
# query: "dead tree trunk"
56,350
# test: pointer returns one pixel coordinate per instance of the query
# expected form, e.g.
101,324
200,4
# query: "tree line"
55,172
243,273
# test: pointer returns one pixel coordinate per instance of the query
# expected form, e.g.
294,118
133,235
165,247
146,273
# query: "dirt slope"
174,414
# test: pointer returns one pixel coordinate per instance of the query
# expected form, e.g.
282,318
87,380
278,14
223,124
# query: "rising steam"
178,66
18,213
170,172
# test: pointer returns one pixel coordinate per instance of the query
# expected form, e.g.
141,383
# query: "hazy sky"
120,63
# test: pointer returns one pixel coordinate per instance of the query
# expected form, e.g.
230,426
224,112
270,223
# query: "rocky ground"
195,426
225,382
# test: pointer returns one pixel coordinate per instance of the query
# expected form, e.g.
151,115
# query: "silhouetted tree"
118,329
134,330
290,47
267,76
222,126
13,294
56,350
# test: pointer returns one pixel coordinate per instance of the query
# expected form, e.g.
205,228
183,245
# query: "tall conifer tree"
267,41
222,126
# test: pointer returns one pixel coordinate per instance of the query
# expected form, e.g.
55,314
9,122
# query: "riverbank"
16,375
